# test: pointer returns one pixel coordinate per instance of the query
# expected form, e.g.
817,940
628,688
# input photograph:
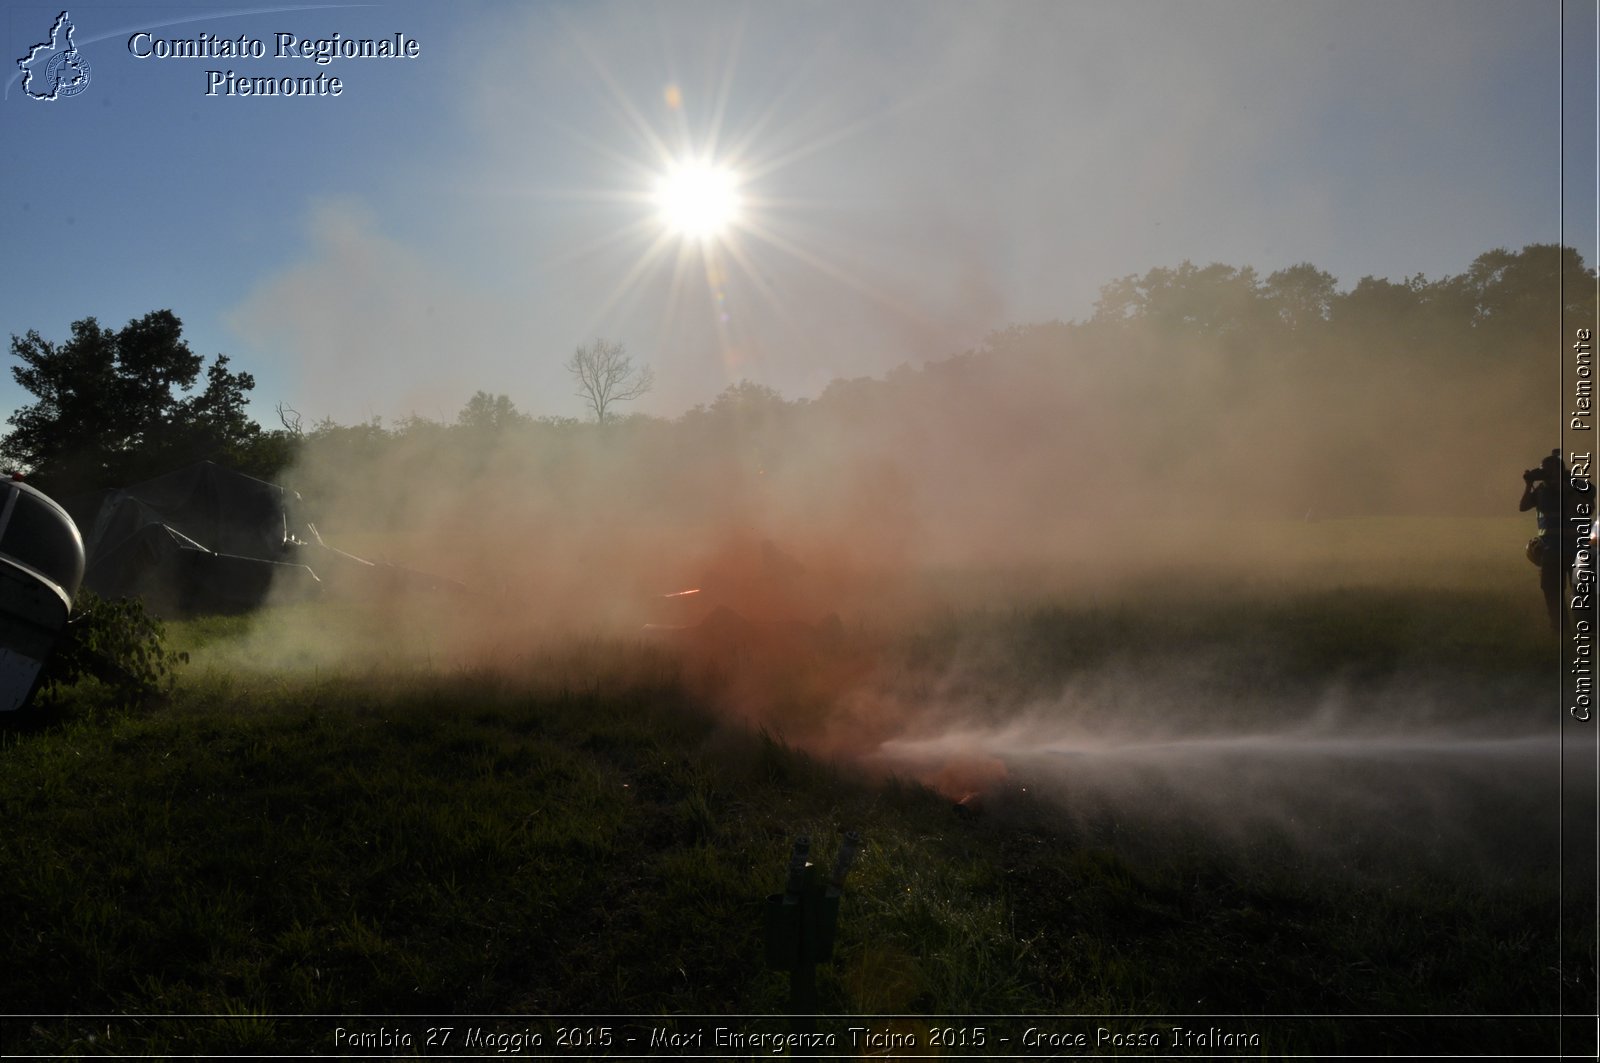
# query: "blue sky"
913,175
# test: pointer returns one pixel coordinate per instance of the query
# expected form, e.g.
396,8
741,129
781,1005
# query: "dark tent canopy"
200,539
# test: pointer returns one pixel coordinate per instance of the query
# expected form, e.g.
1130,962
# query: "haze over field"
1048,297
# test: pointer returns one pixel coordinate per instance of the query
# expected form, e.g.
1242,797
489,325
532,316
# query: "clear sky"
910,174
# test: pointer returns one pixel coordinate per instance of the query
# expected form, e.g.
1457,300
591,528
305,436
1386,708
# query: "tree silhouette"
606,375
490,413
1302,296
110,407
1212,300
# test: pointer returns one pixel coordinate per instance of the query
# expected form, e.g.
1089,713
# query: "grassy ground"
461,843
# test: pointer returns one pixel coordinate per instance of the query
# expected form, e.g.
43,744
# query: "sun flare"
709,214
698,200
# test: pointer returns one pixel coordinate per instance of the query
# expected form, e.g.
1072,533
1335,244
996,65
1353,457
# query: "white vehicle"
41,566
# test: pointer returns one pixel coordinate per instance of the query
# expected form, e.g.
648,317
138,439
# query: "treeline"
1205,390
1190,389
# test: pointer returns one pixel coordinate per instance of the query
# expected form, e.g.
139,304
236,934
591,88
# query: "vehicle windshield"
41,538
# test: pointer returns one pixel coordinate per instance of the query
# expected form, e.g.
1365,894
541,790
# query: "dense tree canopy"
490,413
115,407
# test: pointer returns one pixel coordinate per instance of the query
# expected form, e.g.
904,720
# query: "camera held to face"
1549,469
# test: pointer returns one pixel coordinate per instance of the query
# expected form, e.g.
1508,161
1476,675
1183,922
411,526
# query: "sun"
698,200
708,209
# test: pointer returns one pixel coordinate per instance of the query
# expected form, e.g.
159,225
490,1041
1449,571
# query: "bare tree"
606,374
289,417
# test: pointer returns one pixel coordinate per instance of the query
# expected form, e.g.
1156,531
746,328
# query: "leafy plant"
117,642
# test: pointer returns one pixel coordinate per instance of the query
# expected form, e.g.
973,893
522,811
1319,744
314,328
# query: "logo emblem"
56,64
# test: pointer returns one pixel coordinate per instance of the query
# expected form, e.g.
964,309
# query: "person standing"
1546,490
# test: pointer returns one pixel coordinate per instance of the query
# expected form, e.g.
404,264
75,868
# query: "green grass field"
587,834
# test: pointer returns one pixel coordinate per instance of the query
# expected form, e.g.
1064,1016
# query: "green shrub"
116,642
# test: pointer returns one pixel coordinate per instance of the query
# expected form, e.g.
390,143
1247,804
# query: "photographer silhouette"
1555,497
